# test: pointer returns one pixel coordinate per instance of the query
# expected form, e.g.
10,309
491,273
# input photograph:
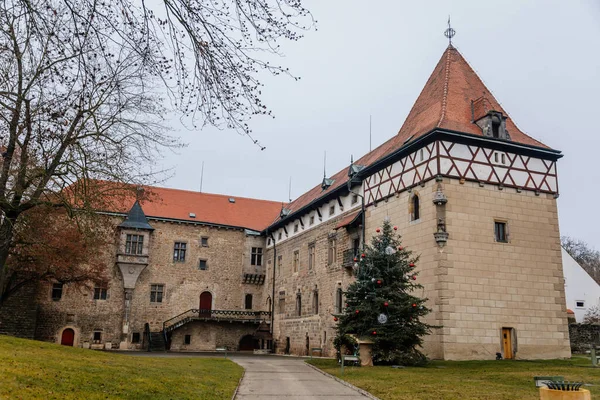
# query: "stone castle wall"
18,314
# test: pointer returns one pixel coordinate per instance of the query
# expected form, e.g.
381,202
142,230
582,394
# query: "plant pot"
551,394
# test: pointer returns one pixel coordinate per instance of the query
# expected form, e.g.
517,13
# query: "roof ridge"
445,92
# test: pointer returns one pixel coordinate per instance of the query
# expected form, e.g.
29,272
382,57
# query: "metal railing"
215,315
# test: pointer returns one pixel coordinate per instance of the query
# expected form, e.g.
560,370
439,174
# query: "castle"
470,193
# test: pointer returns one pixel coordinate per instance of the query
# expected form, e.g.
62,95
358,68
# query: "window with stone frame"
202,265
311,256
134,244
279,264
179,251
187,339
282,302
296,263
315,305
97,337
204,241
57,291
501,231
100,293
339,300
299,304
415,208
332,251
156,293
135,337
248,302
256,256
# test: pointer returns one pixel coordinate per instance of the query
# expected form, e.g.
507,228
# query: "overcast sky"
541,59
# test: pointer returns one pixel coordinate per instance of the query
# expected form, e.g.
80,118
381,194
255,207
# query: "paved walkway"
287,378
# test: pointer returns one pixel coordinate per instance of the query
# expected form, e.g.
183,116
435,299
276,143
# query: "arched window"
248,302
298,304
315,301
338,300
416,212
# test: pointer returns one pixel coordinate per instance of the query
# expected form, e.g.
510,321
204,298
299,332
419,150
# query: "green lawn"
38,370
464,380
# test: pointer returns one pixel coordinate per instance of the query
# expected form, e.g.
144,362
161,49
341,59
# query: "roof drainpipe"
273,289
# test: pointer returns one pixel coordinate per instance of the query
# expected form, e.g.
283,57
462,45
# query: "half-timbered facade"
470,193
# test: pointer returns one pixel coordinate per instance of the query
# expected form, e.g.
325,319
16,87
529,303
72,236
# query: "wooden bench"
319,349
222,350
352,358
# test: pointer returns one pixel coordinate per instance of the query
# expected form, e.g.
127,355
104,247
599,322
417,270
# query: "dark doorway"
248,302
248,343
68,337
307,344
287,345
205,303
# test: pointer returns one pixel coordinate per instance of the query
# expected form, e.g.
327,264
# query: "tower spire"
449,33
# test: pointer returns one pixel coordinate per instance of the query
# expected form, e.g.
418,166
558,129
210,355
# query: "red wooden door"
205,303
68,337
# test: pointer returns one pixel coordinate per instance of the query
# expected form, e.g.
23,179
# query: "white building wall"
579,287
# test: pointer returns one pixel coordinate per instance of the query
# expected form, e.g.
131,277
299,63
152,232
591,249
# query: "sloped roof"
445,103
165,203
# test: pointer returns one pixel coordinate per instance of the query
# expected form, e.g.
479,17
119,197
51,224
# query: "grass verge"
450,380
37,370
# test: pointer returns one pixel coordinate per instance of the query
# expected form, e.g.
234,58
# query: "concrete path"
288,378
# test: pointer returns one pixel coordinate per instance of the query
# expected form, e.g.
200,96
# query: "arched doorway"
248,343
205,303
68,337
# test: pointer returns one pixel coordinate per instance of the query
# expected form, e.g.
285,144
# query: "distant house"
581,290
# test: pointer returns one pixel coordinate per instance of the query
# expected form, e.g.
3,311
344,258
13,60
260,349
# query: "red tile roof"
178,204
444,102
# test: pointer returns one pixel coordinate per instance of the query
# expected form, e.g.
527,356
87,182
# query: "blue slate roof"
136,219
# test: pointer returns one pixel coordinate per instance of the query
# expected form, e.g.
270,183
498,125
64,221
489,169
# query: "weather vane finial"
449,33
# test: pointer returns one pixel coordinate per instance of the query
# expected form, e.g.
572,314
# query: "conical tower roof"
446,102
136,219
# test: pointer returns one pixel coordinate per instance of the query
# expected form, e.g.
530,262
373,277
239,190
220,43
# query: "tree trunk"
6,235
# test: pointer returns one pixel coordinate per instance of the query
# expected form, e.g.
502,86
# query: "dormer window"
134,244
496,125
491,122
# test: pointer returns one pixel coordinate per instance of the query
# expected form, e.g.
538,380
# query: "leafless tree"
81,84
584,254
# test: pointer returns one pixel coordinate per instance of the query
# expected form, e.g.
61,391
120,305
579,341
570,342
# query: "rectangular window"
179,251
100,293
204,241
279,263
500,231
135,337
354,199
296,264
268,241
311,220
356,246
97,337
134,244
202,265
279,236
57,291
156,293
187,339
331,253
331,210
282,302
256,257
295,228
580,304
311,256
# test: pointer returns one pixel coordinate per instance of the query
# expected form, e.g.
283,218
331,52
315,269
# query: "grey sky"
541,60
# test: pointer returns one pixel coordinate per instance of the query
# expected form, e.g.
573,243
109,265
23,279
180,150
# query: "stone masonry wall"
227,256
207,336
318,329
493,285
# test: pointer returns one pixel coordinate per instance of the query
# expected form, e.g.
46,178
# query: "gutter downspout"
273,288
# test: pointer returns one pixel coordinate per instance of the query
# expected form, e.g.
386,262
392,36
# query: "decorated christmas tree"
381,305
